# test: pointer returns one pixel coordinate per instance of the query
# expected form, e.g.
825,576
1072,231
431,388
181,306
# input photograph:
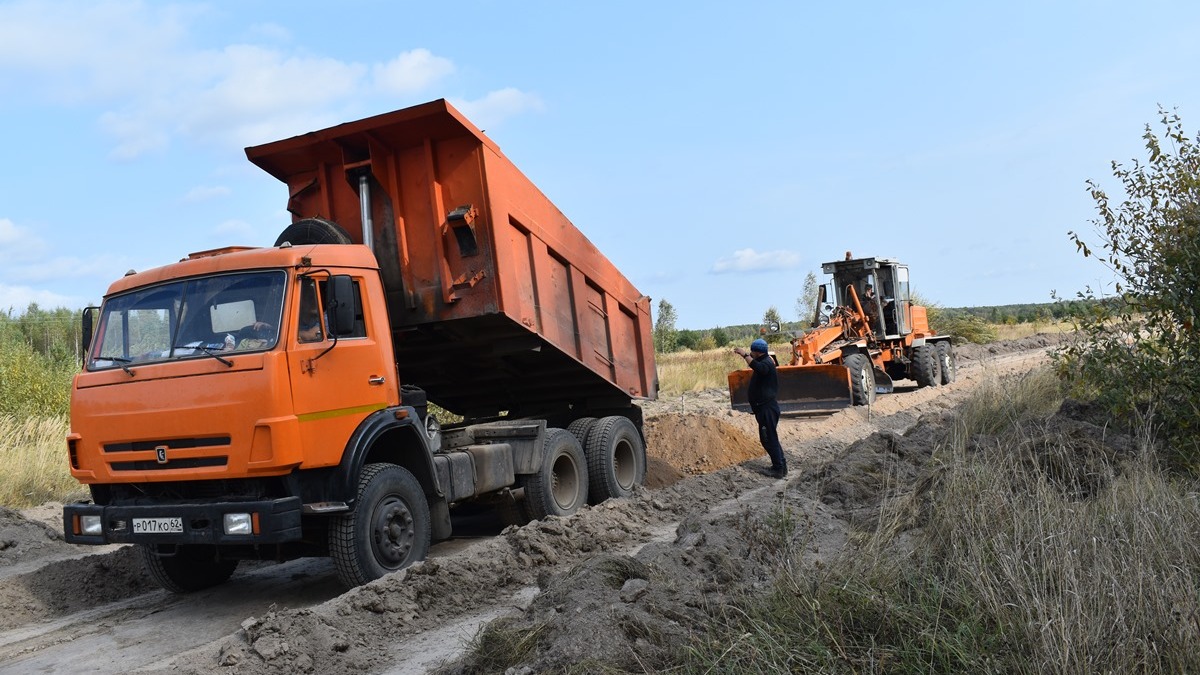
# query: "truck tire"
616,459
925,365
191,568
946,362
580,429
560,486
313,231
862,379
388,530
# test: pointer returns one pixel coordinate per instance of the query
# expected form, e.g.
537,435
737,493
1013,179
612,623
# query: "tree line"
39,354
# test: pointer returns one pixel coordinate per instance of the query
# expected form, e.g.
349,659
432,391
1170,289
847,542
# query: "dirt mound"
616,613
857,481
22,539
693,444
68,586
344,635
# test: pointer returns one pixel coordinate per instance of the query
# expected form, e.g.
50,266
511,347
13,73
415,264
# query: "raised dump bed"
497,302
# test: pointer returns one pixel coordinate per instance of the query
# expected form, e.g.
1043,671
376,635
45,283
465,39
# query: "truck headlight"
91,525
239,523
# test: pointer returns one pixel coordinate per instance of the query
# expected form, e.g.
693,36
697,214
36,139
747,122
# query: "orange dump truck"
246,403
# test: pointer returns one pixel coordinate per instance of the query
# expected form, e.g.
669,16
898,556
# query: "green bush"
1137,354
32,385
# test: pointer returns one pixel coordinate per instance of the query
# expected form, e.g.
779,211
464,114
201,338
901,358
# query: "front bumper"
278,521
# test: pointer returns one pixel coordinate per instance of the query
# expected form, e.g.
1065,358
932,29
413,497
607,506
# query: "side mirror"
341,302
87,321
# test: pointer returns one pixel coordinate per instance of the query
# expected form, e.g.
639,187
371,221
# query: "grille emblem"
161,454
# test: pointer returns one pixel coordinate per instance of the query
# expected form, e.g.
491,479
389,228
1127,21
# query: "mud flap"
801,388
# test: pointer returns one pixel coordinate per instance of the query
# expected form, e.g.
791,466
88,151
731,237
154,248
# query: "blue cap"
759,345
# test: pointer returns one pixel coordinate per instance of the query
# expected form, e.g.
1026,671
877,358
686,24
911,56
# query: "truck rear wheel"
925,365
616,459
388,530
559,488
313,231
945,354
190,568
862,379
580,429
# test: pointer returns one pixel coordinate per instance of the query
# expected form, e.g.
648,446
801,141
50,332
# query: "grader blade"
823,388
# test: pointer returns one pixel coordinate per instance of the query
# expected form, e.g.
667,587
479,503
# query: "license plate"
158,525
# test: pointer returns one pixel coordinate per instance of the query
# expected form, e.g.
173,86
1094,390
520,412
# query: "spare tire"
313,231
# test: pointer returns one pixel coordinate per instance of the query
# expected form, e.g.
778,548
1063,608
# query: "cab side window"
312,326
359,327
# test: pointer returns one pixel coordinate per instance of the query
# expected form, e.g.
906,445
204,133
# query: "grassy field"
1017,331
684,371
35,461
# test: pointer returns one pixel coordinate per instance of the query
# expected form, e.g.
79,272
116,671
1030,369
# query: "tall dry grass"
685,371
1032,547
1017,331
1087,558
34,451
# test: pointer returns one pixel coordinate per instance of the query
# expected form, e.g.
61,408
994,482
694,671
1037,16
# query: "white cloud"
139,60
203,193
749,260
104,268
272,32
34,264
17,242
498,106
17,298
80,51
411,71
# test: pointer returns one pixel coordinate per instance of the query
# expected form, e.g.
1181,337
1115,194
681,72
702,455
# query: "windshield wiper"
119,360
208,350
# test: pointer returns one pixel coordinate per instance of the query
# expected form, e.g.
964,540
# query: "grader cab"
865,334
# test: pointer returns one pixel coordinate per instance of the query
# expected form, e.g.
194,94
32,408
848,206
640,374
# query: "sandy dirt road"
71,609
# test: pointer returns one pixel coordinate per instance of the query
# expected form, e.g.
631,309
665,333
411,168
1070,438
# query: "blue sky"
716,152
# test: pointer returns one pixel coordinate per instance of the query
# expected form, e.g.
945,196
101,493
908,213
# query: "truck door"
903,301
336,380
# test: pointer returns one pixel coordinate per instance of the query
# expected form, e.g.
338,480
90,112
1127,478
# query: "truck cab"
211,417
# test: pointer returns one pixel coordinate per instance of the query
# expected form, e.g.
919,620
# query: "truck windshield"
193,318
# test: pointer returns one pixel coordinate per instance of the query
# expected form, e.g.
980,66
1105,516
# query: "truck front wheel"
559,488
388,529
186,568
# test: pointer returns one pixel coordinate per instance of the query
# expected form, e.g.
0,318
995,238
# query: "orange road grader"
858,344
